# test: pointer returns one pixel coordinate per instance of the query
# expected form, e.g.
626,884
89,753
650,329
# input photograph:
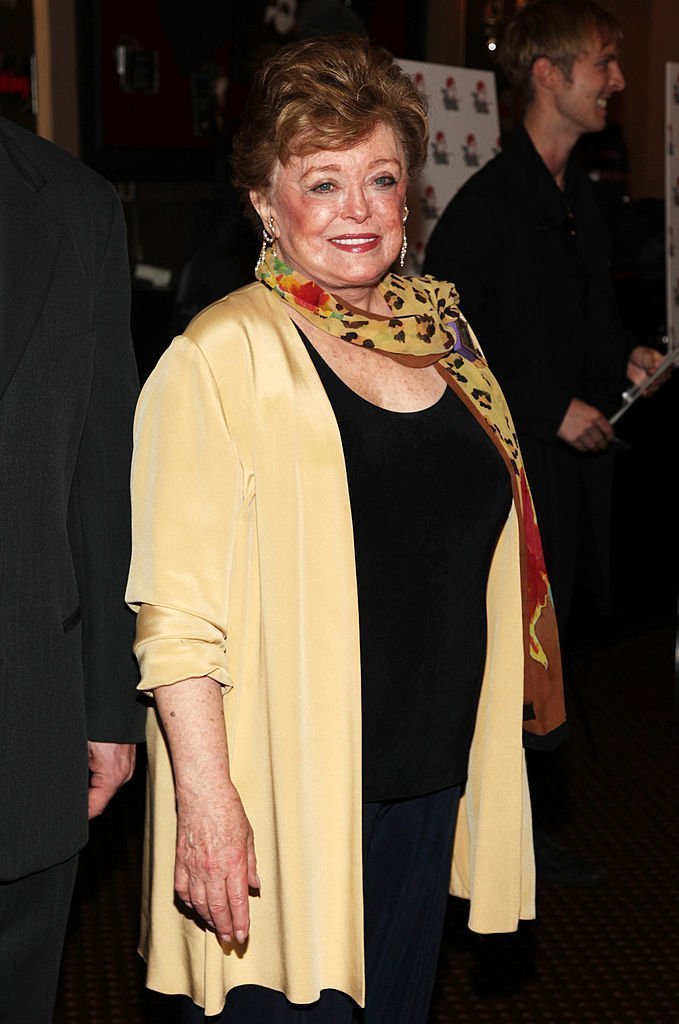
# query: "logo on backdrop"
470,151
480,97
439,149
449,95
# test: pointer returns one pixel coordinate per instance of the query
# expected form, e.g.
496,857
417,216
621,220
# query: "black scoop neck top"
429,495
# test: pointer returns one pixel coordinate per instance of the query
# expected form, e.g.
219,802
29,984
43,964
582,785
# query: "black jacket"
68,387
532,269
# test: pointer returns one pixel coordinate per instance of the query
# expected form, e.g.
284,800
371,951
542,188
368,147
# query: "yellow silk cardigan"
243,569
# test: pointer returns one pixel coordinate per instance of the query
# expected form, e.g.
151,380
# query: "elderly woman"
343,612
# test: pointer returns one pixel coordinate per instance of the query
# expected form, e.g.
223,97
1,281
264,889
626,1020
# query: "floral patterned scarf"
427,327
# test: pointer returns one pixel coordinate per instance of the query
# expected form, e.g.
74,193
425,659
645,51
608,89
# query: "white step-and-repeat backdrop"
464,134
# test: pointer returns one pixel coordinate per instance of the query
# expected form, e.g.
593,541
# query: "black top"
429,494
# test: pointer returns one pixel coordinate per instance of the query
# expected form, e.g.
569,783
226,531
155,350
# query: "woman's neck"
369,299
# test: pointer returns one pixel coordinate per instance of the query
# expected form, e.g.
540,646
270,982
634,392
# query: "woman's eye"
324,186
385,181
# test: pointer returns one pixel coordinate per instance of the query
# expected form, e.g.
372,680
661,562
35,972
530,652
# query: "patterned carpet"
608,953
602,955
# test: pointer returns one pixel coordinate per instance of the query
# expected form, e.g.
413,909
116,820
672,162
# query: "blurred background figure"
219,267
526,245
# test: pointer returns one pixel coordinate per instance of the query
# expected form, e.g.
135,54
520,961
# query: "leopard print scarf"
422,329
427,327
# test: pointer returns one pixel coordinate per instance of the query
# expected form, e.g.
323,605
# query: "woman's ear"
261,205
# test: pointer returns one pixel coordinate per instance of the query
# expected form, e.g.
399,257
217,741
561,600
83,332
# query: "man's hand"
585,427
111,765
643,362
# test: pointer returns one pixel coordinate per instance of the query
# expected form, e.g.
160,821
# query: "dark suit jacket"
531,267
67,392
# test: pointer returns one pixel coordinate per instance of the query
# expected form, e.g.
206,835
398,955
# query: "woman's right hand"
215,862
215,859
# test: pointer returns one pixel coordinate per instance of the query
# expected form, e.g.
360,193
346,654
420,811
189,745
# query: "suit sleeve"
472,247
187,486
99,515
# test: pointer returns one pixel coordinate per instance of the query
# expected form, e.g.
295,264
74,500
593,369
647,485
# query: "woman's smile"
356,243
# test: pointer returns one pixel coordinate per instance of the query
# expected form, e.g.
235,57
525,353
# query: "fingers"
213,874
253,877
585,427
657,384
643,363
595,433
99,794
221,902
111,766
239,906
596,437
645,359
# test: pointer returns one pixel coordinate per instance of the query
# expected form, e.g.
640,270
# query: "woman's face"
338,214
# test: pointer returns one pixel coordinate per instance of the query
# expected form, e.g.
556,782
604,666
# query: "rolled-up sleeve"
187,487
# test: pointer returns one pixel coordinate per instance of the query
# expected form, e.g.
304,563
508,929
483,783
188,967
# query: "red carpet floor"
602,955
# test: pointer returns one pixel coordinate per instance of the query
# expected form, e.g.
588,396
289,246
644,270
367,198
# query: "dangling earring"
404,247
272,232
266,242
268,239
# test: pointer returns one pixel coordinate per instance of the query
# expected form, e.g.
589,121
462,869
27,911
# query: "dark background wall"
155,94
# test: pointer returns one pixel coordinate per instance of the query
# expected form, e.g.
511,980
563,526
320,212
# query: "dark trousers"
33,917
407,847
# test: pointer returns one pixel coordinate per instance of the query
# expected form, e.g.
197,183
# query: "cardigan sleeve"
187,487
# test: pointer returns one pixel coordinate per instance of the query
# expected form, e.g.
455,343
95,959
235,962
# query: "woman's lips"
355,243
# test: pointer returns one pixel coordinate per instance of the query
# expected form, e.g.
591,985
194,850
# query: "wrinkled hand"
111,766
216,864
643,362
585,427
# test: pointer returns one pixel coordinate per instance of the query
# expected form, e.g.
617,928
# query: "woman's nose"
356,205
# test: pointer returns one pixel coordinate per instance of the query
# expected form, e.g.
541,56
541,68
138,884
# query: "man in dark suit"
528,250
67,684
